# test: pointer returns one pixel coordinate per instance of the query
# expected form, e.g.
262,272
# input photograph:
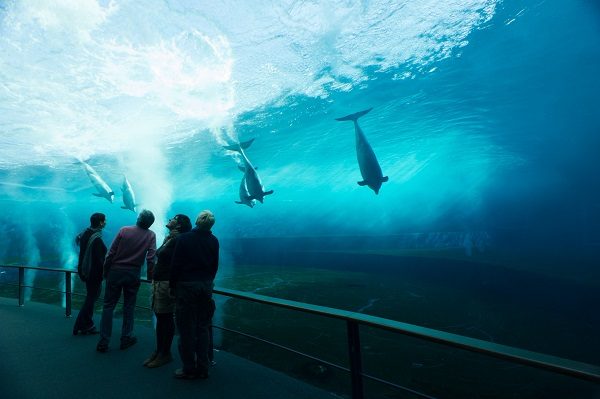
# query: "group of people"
182,271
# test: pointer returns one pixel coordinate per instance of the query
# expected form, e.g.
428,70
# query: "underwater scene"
433,162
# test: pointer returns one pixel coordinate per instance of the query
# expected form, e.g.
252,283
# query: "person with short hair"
163,303
122,269
92,251
193,270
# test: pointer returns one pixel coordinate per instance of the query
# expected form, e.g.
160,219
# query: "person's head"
97,220
180,222
145,219
205,220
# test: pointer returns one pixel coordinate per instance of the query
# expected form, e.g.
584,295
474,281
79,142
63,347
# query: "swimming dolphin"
244,195
255,187
104,191
367,161
128,195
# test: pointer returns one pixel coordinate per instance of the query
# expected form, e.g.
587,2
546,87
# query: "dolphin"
367,161
128,195
254,186
104,191
244,195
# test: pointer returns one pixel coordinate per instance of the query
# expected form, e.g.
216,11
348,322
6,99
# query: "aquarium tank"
434,162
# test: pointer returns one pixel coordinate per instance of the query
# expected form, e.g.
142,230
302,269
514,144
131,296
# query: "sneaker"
102,346
90,331
182,375
150,359
126,342
160,360
202,375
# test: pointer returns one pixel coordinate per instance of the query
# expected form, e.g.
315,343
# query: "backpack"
85,268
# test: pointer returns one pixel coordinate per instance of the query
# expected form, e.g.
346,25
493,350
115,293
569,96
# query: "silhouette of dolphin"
254,186
104,191
244,195
128,195
367,161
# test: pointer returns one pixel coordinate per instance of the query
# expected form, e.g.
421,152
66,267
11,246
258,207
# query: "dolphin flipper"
98,195
354,117
268,192
361,183
384,179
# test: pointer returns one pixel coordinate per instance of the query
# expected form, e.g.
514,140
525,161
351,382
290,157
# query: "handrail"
550,363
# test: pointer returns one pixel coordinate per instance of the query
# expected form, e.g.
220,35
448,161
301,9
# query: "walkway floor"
40,358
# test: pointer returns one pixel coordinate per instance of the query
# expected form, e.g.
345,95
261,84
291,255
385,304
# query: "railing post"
355,359
21,284
68,294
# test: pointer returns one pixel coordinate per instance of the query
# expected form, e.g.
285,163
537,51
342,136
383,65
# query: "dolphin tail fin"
384,179
354,117
239,146
361,183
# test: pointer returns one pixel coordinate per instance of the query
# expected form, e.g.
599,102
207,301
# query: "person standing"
122,269
92,251
163,304
193,270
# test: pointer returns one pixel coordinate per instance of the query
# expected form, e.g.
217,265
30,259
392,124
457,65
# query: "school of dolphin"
251,186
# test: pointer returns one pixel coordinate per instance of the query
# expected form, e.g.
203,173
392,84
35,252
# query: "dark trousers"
128,282
85,318
193,314
165,331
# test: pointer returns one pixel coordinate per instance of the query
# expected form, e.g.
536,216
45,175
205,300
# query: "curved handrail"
551,363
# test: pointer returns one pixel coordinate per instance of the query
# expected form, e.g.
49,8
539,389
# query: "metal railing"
353,320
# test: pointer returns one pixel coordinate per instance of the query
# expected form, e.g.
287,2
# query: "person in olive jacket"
92,252
193,270
163,303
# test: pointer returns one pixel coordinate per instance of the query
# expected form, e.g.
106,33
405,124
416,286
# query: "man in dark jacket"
193,269
91,258
122,269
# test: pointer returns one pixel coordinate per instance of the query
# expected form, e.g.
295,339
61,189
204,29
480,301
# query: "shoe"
102,346
182,375
202,375
88,331
150,359
160,360
126,342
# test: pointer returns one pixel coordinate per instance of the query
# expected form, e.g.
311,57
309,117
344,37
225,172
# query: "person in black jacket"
193,270
92,252
163,304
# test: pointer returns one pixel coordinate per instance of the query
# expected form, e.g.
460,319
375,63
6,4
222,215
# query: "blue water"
485,118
